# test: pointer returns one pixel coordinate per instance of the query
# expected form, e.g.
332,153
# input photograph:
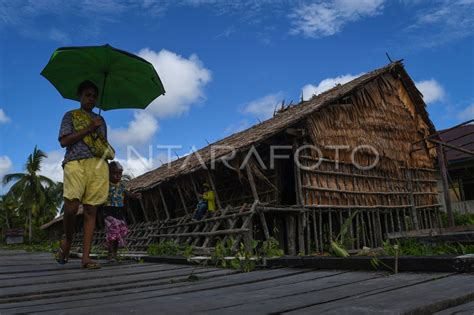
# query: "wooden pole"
264,224
444,178
252,182
301,247
412,200
144,210
154,206
290,232
196,192
164,203
183,202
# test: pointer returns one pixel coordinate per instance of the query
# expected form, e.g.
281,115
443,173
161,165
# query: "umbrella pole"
103,92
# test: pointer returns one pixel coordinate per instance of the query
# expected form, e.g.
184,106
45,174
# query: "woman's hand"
96,123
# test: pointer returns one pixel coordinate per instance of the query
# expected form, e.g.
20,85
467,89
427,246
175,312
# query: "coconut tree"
53,202
30,187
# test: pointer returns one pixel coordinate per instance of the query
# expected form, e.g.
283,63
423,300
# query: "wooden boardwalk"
34,283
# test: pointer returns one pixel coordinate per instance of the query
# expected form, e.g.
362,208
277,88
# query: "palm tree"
9,208
30,186
53,202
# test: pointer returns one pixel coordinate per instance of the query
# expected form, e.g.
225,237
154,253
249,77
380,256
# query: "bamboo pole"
412,200
264,224
315,231
199,234
444,177
196,193
144,210
130,212
183,202
290,232
252,182
164,203
154,206
301,245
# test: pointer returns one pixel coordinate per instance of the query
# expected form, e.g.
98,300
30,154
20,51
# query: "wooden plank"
463,309
444,291
247,296
222,278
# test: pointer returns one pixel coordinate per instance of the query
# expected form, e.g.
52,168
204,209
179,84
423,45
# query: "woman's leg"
69,216
114,249
89,227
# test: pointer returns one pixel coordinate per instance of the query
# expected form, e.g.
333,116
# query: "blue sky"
224,64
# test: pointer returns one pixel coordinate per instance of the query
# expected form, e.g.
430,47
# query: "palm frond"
12,177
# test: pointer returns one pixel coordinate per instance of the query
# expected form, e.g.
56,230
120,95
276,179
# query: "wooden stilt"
144,210
181,197
252,182
444,176
164,203
264,225
290,232
301,245
154,206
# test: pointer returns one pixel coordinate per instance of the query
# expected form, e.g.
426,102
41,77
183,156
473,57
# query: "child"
206,203
115,225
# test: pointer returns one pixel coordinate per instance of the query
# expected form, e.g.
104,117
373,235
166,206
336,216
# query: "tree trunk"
29,224
6,217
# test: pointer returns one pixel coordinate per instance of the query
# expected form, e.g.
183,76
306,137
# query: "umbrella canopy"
124,79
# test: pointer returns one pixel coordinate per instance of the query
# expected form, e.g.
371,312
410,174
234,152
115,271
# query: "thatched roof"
243,140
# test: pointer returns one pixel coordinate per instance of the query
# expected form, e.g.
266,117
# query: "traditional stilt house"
298,175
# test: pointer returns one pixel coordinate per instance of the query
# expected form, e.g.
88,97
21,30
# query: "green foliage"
188,251
337,246
459,218
39,247
245,260
411,247
170,248
271,248
222,250
32,200
165,248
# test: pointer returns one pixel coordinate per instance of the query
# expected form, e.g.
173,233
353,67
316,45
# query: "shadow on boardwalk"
34,283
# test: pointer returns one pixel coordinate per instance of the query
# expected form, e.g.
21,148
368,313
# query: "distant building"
460,168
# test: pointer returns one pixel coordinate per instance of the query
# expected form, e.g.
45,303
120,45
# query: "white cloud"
139,131
326,18
3,117
467,113
51,166
432,91
184,81
136,165
5,165
309,90
441,22
264,107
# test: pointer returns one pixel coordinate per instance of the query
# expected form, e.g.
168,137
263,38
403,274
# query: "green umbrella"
124,79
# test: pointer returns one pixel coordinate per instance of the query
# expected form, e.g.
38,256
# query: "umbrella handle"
103,92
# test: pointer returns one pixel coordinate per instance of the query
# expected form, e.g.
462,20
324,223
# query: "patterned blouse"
116,195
